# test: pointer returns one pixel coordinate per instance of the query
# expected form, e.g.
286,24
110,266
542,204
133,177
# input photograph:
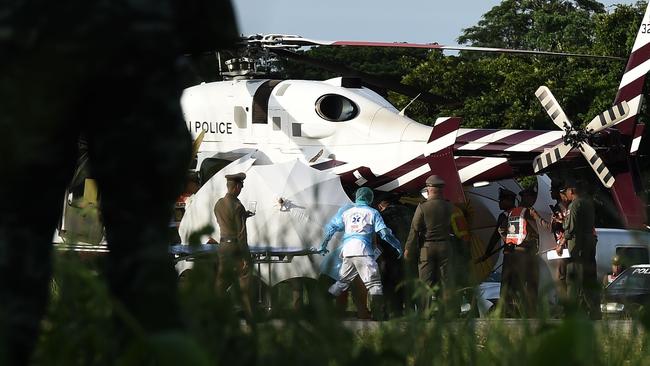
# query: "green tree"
497,91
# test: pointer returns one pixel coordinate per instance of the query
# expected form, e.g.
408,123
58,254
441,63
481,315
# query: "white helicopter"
342,127
339,126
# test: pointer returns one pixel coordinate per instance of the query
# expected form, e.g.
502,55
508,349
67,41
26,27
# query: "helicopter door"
260,110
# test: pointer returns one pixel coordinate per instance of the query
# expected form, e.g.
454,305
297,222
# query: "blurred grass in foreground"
79,330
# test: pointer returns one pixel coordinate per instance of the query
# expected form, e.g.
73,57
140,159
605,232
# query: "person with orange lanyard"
520,276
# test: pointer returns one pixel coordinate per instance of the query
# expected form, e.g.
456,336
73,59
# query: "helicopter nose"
389,125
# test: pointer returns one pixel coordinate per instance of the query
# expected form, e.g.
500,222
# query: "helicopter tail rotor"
577,137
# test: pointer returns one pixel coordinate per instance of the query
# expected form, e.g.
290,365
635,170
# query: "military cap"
503,193
434,181
239,177
527,192
616,260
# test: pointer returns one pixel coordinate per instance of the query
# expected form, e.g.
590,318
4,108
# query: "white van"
632,246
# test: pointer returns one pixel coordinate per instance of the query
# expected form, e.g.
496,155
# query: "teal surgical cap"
364,195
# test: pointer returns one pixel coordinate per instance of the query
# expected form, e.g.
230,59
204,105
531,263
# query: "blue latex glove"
323,247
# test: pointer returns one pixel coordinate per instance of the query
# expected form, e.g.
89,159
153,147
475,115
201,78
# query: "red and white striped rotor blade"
608,118
597,165
550,156
297,40
552,107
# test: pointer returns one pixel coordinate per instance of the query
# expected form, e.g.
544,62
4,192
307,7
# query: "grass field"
79,330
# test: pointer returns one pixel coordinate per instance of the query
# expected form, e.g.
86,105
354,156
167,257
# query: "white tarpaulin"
292,204
199,208
543,207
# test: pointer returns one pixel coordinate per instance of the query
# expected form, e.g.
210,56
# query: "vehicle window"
633,278
633,255
336,108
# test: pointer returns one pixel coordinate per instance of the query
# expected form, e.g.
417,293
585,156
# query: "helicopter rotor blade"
550,156
597,165
552,107
608,118
293,41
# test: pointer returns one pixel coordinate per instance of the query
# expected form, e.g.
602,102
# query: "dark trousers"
127,108
234,267
392,276
519,283
561,278
583,287
432,267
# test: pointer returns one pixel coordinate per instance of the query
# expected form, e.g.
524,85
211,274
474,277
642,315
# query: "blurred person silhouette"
560,212
617,269
398,218
109,71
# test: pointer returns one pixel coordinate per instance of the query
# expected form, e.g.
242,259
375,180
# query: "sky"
419,21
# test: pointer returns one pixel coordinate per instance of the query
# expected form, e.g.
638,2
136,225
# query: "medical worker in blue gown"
360,222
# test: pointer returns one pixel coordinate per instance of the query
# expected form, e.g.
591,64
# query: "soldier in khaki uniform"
234,258
579,236
429,239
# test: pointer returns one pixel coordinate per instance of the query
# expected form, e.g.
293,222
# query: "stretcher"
260,254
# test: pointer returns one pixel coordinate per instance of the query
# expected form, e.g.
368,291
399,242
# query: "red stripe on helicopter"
472,136
386,44
638,57
501,171
443,127
630,91
515,139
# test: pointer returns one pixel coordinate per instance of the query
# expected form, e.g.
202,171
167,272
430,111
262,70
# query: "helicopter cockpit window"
336,108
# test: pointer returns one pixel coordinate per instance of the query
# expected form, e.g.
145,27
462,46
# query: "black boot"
377,307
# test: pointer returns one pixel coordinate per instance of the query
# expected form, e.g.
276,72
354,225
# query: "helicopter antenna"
401,113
